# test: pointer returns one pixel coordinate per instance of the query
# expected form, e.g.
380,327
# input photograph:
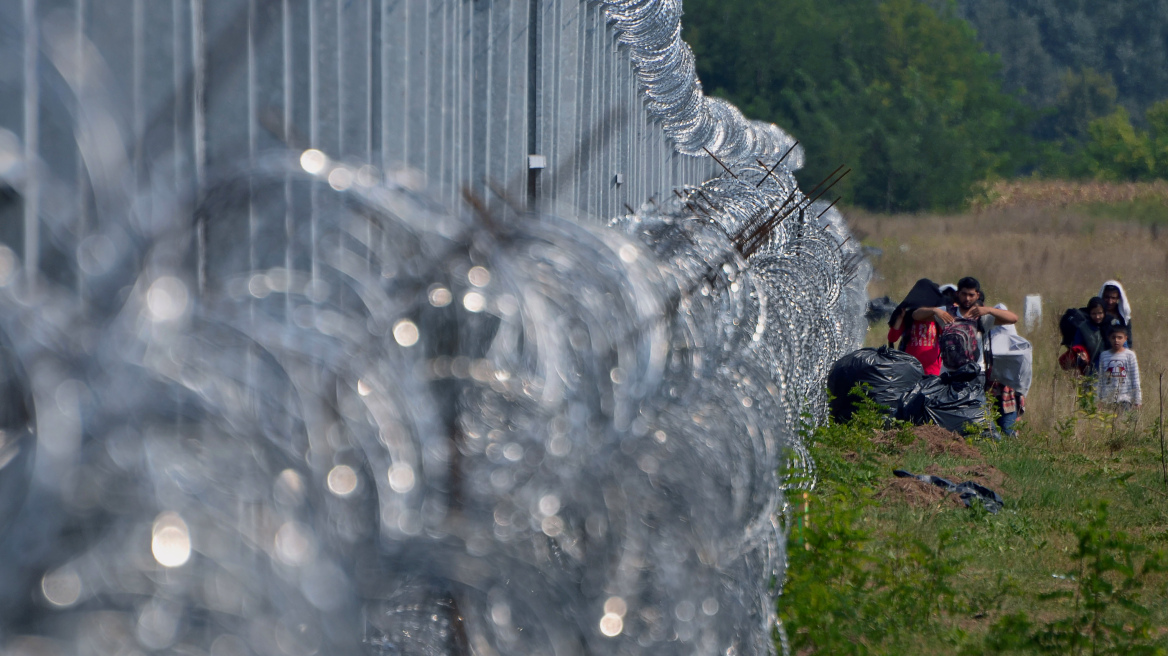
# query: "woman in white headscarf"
1116,308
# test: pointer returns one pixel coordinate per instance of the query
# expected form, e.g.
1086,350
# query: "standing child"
1119,373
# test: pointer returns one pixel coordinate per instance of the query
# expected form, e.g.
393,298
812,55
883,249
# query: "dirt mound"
935,439
917,494
940,441
982,474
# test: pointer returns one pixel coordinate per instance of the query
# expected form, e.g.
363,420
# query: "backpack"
1070,322
958,343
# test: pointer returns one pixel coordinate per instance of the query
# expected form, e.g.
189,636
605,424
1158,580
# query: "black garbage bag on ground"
887,372
967,491
952,400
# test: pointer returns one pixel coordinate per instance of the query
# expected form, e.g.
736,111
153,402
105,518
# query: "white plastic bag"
1013,359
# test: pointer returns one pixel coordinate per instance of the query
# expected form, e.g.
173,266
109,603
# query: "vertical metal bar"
342,145
138,118
371,78
289,226
179,95
447,74
464,96
199,128
251,134
382,55
313,125
32,192
425,162
406,64
533,88
82,173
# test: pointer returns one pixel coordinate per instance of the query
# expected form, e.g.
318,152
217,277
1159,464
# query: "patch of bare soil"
917,494
938,441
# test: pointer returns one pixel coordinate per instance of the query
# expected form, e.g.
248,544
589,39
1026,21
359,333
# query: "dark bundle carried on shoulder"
924,293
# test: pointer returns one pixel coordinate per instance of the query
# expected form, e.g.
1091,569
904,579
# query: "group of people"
1098,339
919,321
1099,345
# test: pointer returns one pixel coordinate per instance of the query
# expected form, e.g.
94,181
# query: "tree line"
928,99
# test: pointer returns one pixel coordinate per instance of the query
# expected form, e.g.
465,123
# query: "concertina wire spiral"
446,433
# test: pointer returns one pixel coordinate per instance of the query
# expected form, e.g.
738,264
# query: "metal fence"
513,100
708,323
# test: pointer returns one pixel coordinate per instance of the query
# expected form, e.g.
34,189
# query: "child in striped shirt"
1119,373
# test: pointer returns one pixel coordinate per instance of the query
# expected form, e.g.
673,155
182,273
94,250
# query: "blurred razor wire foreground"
398,327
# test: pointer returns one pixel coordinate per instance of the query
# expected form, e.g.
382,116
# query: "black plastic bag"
879,309
887,372
952,400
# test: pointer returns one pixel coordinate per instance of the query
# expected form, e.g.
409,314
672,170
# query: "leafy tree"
903,95
1084,97
1117,150
1038,40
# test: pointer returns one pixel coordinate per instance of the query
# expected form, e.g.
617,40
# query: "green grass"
1070,564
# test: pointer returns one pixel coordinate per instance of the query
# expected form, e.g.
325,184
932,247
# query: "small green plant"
842,451
988,426
1085,397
